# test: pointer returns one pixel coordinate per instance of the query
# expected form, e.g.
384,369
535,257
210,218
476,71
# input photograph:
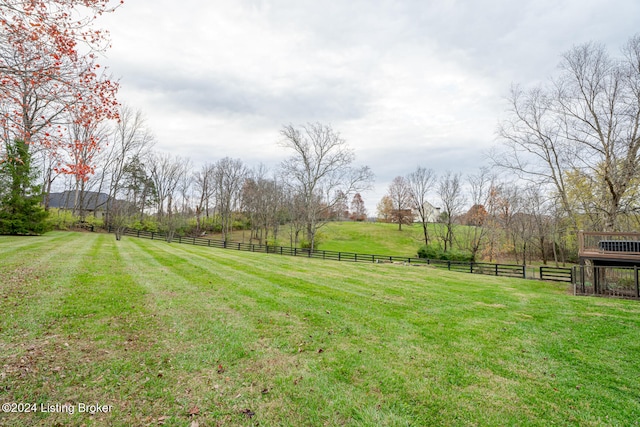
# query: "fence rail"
587,280
607,281
557,274
505,270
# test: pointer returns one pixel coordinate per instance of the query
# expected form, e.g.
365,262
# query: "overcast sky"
406,83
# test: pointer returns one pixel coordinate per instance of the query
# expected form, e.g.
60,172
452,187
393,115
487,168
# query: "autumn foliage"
51,82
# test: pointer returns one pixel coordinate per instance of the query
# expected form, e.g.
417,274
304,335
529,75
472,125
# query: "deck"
620,248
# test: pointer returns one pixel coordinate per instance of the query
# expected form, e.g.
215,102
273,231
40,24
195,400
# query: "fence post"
635,271
496,269
449,265
471,266
152,234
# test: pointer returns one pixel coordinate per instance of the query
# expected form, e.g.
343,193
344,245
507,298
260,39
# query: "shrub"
60,219
147,224
435,252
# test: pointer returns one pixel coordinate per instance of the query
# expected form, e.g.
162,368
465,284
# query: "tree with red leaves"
358,209
50,80
50,85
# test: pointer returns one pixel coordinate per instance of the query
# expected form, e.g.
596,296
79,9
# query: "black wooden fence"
507,270
557,274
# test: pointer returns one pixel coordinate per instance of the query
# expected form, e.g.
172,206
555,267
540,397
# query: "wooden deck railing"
609,245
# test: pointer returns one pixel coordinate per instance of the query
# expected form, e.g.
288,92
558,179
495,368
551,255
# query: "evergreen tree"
20,210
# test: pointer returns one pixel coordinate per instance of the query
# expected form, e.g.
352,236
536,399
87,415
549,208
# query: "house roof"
92,200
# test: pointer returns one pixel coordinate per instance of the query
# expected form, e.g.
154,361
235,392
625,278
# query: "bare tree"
340,210
229,179
420,183
480,185
263,200
185,187
204,186
400,195
296,214
537,208
320,168
450,192
130,139
507,209
586,120
166,171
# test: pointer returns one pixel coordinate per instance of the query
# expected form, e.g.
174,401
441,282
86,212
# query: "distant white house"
432,213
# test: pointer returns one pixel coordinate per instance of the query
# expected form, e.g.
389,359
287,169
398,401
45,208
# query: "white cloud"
405,82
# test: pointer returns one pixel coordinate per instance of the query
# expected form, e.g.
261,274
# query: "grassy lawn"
178,335
372,238
375,238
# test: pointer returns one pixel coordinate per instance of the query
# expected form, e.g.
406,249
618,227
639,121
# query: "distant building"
90,202
432,213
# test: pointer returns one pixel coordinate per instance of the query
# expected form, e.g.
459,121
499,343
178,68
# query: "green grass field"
375,238
178,335
372,238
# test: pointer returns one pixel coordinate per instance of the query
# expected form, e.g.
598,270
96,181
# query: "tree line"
480,216
161,191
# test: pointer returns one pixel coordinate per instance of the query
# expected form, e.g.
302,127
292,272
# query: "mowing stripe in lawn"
159,329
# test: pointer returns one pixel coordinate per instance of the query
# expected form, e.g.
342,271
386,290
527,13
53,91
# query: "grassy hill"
178,335
361,237
371,238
